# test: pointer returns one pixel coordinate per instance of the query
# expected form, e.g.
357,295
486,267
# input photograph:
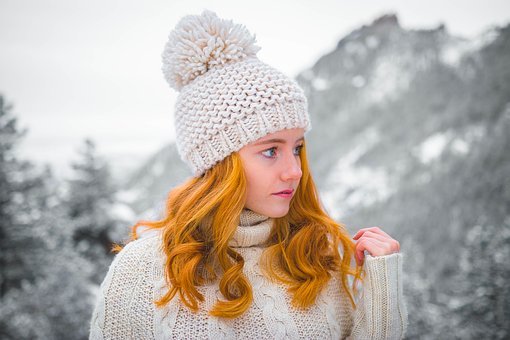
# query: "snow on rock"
452,53
320,84
123,212
358,81
372,42
454,50
390,76
458,143
460,146
128,196
350,186
356,49
432,147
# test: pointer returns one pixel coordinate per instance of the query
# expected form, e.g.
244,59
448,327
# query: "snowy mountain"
146,188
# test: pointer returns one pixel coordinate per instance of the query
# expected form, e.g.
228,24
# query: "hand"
376,242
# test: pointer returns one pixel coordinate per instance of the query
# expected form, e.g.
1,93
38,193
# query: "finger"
361,246
360,233
379,248
371,234
376,230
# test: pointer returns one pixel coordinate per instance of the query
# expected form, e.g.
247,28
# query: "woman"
245,249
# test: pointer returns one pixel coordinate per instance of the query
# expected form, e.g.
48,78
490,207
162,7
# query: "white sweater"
124,310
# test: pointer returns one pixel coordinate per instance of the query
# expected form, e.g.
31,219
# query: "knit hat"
227,98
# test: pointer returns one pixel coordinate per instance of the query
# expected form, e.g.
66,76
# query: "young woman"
245,249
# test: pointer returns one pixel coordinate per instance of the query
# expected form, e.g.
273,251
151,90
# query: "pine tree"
482,289
17,180
45,291
90,200
59,298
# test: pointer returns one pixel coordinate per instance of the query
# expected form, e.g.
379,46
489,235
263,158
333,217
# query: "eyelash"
299,147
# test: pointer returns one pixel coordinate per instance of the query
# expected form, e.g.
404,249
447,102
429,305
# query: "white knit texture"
200,42
228,97
124,309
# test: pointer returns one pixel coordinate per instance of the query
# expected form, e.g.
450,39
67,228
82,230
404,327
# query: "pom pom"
200,42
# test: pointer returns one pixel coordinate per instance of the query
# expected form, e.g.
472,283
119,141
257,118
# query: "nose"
291,168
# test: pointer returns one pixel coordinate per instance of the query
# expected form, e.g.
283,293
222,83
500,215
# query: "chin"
279,215
273,213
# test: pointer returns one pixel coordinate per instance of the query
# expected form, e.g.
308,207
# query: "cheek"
257,180
252,178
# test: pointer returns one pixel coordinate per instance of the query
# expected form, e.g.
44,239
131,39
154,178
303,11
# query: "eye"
299,147
273,149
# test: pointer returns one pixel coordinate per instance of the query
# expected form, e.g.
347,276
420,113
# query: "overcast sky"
76,69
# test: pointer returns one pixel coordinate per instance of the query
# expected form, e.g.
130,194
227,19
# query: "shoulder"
124,291
135,259
141,246
137,253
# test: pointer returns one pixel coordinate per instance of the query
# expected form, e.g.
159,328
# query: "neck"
253,229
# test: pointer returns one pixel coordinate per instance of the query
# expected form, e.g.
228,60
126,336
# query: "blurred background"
410,108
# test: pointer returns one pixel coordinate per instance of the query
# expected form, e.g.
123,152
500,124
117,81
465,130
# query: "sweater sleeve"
98,315
123,308
381,311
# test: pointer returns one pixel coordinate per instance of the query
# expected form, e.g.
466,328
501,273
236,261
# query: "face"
272,165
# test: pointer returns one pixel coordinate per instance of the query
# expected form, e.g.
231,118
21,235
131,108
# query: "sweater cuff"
384,278
383,312
391,264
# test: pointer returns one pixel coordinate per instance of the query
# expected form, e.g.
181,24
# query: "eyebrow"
277,140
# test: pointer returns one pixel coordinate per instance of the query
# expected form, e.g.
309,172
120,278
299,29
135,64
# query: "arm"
97,322
122,309
381,312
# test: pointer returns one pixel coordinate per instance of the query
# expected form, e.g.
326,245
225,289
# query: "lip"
285,193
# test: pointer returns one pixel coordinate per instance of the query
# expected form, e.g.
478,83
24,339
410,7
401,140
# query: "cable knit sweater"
124,310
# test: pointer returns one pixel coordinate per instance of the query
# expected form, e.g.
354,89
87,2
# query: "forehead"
287,135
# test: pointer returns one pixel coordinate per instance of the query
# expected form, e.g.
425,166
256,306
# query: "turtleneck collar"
253,229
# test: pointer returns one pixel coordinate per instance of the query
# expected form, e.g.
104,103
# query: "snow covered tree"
54,295
90,201
45,291
17,181
481,294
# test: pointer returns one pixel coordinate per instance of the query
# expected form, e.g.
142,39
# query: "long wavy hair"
202,214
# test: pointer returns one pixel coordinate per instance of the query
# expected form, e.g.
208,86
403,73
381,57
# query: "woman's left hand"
376,242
